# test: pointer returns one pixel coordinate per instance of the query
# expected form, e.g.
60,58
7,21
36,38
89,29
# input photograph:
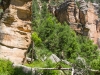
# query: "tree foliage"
61,39
96,64
36,39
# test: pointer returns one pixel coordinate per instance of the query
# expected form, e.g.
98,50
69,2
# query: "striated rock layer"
82,17
15,30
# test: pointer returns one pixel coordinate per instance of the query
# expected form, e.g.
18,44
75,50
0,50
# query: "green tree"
60,38
57,37
88,49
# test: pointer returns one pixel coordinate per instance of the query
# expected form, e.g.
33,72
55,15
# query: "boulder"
54,58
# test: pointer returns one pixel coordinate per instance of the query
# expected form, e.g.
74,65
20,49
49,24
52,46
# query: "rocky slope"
81,16
15,30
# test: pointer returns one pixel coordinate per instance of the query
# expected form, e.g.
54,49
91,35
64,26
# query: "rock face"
82,17
15,30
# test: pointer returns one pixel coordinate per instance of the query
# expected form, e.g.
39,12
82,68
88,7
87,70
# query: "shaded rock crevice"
11,47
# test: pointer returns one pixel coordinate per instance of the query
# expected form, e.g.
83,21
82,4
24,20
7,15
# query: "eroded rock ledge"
15,30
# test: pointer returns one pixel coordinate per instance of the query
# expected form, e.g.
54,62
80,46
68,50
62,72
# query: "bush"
6,67
36,39
19,71
95,64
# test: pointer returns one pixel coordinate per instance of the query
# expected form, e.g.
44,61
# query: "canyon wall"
15,30
82,18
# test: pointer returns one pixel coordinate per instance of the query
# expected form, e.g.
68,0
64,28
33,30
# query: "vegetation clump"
6,68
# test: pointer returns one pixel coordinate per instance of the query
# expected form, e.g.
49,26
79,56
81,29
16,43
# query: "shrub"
19,71
36,39
95,64
6,67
